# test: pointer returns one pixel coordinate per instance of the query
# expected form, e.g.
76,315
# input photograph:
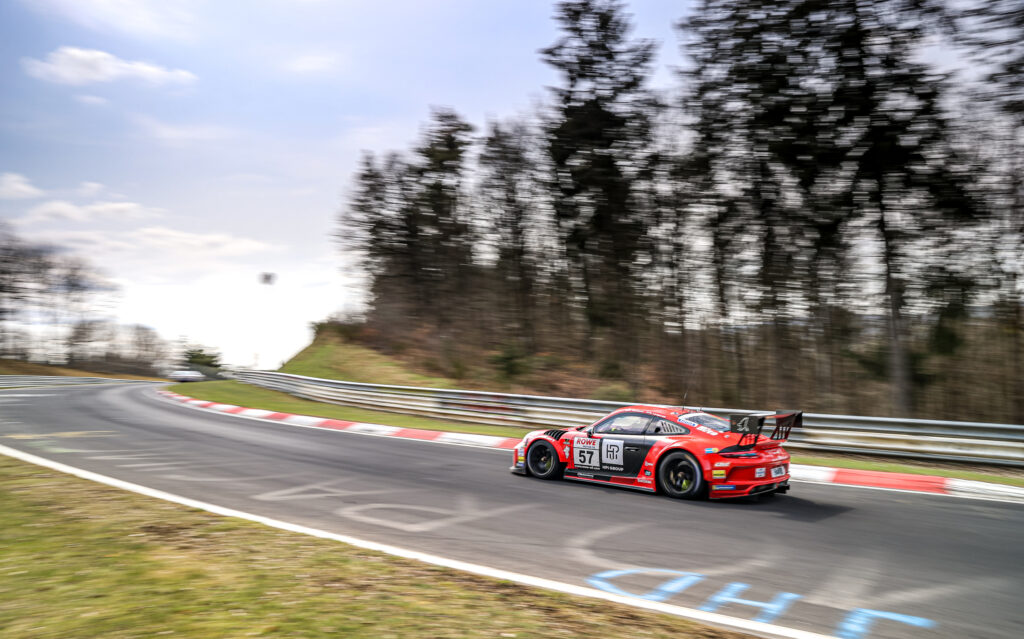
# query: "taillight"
743,455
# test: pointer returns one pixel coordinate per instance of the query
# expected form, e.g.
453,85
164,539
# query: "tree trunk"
899,370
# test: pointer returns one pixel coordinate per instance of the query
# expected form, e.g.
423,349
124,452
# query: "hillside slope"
331,357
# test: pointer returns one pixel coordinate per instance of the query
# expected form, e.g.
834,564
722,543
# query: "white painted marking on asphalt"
304,420
713,618
222,407
316,491
255,412
372,429
468,511
213,480
943,591
579,548
984,490
813,474
469,438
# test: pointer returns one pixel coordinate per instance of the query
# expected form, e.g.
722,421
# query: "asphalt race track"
849,562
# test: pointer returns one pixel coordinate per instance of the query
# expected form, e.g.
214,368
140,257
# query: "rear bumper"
731,491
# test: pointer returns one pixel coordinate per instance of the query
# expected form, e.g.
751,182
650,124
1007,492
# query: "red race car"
684,453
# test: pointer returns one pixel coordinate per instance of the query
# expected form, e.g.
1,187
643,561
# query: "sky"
184,147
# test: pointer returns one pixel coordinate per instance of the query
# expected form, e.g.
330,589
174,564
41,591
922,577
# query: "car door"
620,444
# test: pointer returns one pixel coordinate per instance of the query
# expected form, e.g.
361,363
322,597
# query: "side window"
623,425
665,427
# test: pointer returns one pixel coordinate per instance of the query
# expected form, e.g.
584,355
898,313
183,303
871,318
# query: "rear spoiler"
750,426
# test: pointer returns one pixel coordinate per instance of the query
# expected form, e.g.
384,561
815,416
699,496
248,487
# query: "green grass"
85,560
329,357
231,392
239,394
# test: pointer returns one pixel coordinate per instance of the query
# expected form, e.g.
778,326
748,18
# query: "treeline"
823,220
51,312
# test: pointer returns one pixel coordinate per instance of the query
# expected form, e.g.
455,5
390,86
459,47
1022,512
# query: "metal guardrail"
1000,444
21,381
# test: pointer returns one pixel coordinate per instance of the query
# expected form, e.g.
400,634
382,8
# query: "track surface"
846,561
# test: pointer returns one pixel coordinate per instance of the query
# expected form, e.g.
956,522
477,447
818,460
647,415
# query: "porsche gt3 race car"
684,453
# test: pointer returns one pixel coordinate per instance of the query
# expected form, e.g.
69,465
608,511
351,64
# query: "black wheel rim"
680,476
540,459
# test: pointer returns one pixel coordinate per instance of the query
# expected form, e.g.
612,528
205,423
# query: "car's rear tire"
542,461
680,476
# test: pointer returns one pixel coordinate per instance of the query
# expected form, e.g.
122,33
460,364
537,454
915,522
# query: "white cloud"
311,63
89,189
140,18
62,210
77,67
91,100
15,186
178,134
179,243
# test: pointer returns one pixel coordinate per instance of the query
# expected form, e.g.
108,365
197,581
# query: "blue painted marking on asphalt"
770,610
671,587
858,623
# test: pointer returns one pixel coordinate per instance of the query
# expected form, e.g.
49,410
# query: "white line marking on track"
579,548
316,491
213,480
765,629
943,591
373,429
466,512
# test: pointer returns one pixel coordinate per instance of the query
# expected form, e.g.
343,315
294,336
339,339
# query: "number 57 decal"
586,453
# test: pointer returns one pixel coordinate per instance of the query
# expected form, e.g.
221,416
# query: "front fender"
559,446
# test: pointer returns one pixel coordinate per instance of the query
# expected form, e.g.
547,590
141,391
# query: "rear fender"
693,448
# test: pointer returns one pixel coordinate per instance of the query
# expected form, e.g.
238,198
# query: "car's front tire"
542,461
680,476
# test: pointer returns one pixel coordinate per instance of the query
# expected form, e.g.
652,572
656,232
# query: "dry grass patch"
85,560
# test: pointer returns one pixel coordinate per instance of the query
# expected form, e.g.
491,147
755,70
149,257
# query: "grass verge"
18,367
85,560
232,392
239,394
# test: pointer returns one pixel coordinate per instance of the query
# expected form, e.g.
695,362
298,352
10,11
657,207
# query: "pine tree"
598,139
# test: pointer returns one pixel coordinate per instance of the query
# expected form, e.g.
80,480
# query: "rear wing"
750,426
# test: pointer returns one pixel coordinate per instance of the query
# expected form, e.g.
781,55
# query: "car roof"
666,412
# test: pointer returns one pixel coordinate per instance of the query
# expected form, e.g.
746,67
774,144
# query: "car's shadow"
787,506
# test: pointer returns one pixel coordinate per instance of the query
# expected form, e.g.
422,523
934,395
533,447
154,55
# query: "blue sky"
184,146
